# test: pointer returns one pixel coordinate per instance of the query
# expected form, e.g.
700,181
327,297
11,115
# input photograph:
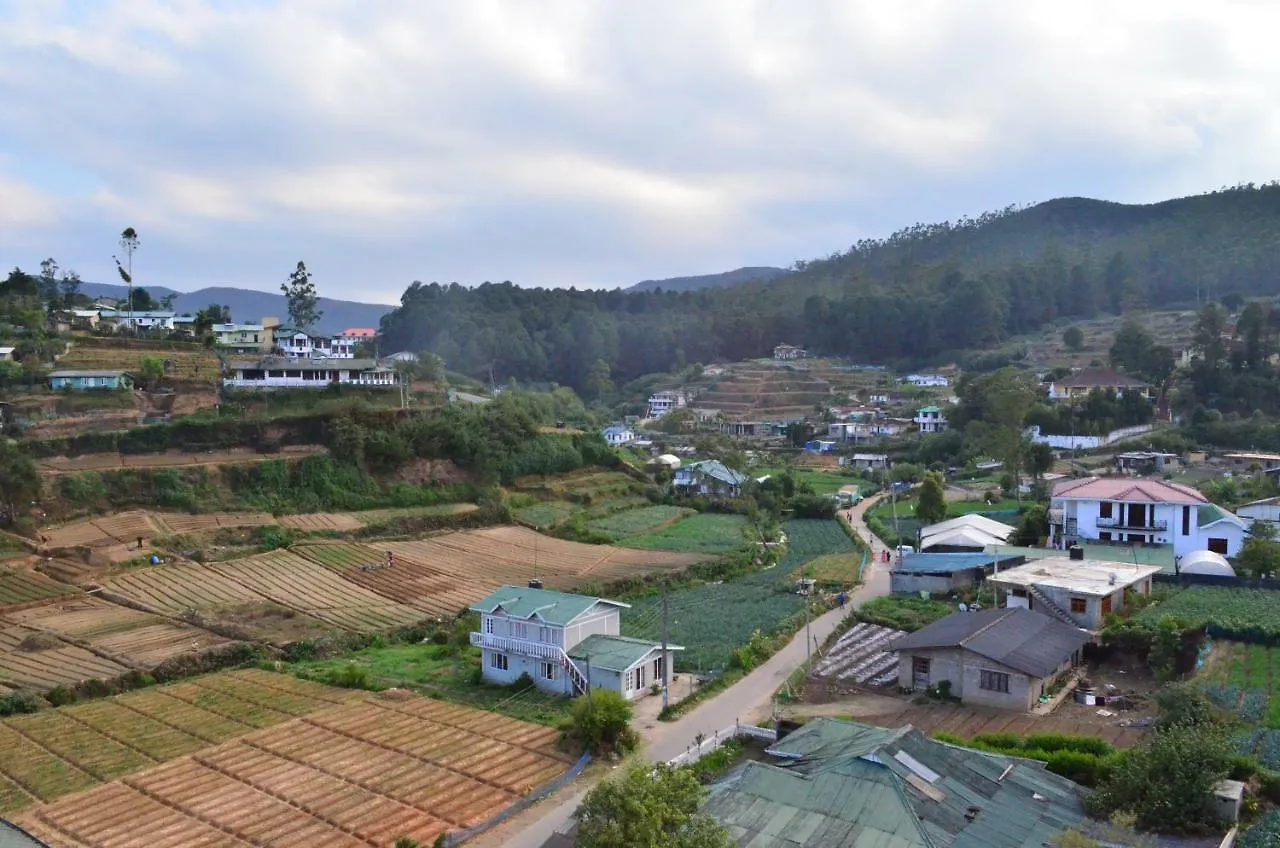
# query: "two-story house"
788,352
141,319
245,339
1144,512
1078,592
931,420
619,435
566,643
273,372
660,403
1079,385
710,478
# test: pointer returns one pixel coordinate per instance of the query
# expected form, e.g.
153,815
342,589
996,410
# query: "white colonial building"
565,643
1144,512
273,372
619,435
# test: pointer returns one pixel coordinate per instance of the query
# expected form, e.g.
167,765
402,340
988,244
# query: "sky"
589,143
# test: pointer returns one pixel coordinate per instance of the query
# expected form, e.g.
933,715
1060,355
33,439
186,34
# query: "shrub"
349,676
601,722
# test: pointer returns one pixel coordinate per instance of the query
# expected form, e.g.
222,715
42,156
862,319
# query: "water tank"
535,583
1075,552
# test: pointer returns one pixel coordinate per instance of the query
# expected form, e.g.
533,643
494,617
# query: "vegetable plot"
1244,614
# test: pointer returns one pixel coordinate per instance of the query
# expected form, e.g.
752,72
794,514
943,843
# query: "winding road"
749,700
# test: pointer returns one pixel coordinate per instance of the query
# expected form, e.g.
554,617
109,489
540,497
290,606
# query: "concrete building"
565,643
1078,592
1079,385
941,574
86,381
246,339
660,403
1005,658
1143,512
617,435
708,478
788,352
931,420
275,372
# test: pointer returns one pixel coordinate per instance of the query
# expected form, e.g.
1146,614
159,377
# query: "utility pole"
666,673
808,640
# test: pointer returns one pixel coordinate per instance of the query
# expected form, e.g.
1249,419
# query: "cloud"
572,142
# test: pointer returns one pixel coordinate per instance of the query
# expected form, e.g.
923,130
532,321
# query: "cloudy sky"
594,143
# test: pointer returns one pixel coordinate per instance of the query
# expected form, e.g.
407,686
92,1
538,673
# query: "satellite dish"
963,607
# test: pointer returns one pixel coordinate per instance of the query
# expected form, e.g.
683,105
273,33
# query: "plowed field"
360,773
134,638
128,526
33,660
22,586
297,582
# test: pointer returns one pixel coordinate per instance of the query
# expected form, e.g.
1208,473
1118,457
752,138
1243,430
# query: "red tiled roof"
1125,489
360,332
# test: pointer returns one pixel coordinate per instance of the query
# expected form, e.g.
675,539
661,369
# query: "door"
920,672
1218,546
1106,606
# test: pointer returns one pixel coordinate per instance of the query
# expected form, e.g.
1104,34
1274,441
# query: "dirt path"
748,700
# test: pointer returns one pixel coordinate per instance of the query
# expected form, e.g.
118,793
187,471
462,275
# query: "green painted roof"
551,607
856,804
930,409
1018,803
1209,513
614,653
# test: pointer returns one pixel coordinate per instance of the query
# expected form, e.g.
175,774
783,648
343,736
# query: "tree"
651,806
19,481
152,370
300,292
70,289
602,722
142,301
1040,459
597,385
128,243
931,507
1008,396
1032,528
1073,338
1261,552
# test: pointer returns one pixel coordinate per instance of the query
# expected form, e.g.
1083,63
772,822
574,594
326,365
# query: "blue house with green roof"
565,643
710,478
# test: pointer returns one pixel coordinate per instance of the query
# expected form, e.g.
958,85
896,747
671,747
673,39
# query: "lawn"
635,522
904,613
712,620
840,570
544,514
822,482
706,533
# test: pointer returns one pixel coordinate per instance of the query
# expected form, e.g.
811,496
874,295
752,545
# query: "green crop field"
822,482
1244,680
712,620
544,514
706,533
634,522
1248,614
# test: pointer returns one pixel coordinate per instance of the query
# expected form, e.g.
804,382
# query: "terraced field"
191,363
174,589
361,772
634,522
132,637
127,527
36,661
304,585
410,581
20,586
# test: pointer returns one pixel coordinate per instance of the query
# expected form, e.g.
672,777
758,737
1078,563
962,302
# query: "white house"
617,435
1146,512
277,373
566,643
786,351
1263,510
143,320
298,343
927,381
931,420
660,403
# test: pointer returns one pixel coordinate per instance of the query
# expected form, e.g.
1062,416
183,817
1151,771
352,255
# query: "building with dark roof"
1086,380
1004,658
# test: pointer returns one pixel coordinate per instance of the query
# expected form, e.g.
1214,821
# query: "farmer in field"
391,559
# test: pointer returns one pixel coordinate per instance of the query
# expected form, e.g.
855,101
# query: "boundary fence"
699,748
548,788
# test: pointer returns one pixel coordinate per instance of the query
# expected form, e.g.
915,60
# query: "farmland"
714,619
132,637
634,522
362,772
191,363
546,514
128,527
861,656
21,586
1246,613
31,660
707,533
839,570
1245,681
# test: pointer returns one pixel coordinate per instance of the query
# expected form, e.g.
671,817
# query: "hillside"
753,274
247,305
927,293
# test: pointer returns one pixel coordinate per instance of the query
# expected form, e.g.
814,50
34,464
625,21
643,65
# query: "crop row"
636,521
23,587
1251,615
705,533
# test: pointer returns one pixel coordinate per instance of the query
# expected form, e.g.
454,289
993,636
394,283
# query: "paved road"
750,699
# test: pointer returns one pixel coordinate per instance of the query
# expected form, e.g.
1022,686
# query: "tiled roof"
1021,639
552,607
1128,489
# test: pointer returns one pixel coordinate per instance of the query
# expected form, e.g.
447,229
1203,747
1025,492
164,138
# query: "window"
919,665
1079,606
546,634
1186,521
498,661
488,624
993,681
1218,546
1104,536
657,670
547,671
519,630
1104,509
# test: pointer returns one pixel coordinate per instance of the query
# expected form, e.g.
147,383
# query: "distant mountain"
760,274
248,306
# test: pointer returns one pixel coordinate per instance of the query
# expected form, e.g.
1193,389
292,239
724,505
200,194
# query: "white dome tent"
1206,562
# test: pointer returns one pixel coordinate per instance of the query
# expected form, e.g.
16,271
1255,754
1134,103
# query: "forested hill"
926,291
750,274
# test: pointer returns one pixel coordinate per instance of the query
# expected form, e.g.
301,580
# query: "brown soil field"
168,459
31,660
22,586
297,582
126,527
126,635
359,773
191,363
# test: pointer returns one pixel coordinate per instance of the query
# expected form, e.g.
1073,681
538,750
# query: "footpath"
747,701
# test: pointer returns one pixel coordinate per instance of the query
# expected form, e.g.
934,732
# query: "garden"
1249,615
713,620
904,612
1244,680
705,533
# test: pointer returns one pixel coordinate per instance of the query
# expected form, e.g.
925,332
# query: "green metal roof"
552,607
961,798
857,804
614,653
1209,513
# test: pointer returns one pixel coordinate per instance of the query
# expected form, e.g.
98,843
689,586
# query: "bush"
601,722
349,676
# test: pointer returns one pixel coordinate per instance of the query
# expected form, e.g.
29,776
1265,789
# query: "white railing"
699,749
538,650
299,383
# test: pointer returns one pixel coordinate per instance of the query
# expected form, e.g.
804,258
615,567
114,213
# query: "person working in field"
391,559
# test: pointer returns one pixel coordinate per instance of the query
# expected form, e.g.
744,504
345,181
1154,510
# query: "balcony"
1129,524
524,647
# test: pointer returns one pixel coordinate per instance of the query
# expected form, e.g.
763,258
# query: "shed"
1206,562
941,573
6,353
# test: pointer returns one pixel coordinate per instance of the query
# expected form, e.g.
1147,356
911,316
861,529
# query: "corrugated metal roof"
615,653
925,563
552,607
980,522
75,374
1021,639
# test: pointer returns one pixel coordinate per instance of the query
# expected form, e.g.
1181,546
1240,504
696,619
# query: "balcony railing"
507,645
1130,524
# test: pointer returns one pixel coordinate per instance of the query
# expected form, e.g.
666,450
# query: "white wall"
605,621
518,665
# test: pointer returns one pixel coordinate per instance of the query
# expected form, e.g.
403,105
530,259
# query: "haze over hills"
754,274
249,306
